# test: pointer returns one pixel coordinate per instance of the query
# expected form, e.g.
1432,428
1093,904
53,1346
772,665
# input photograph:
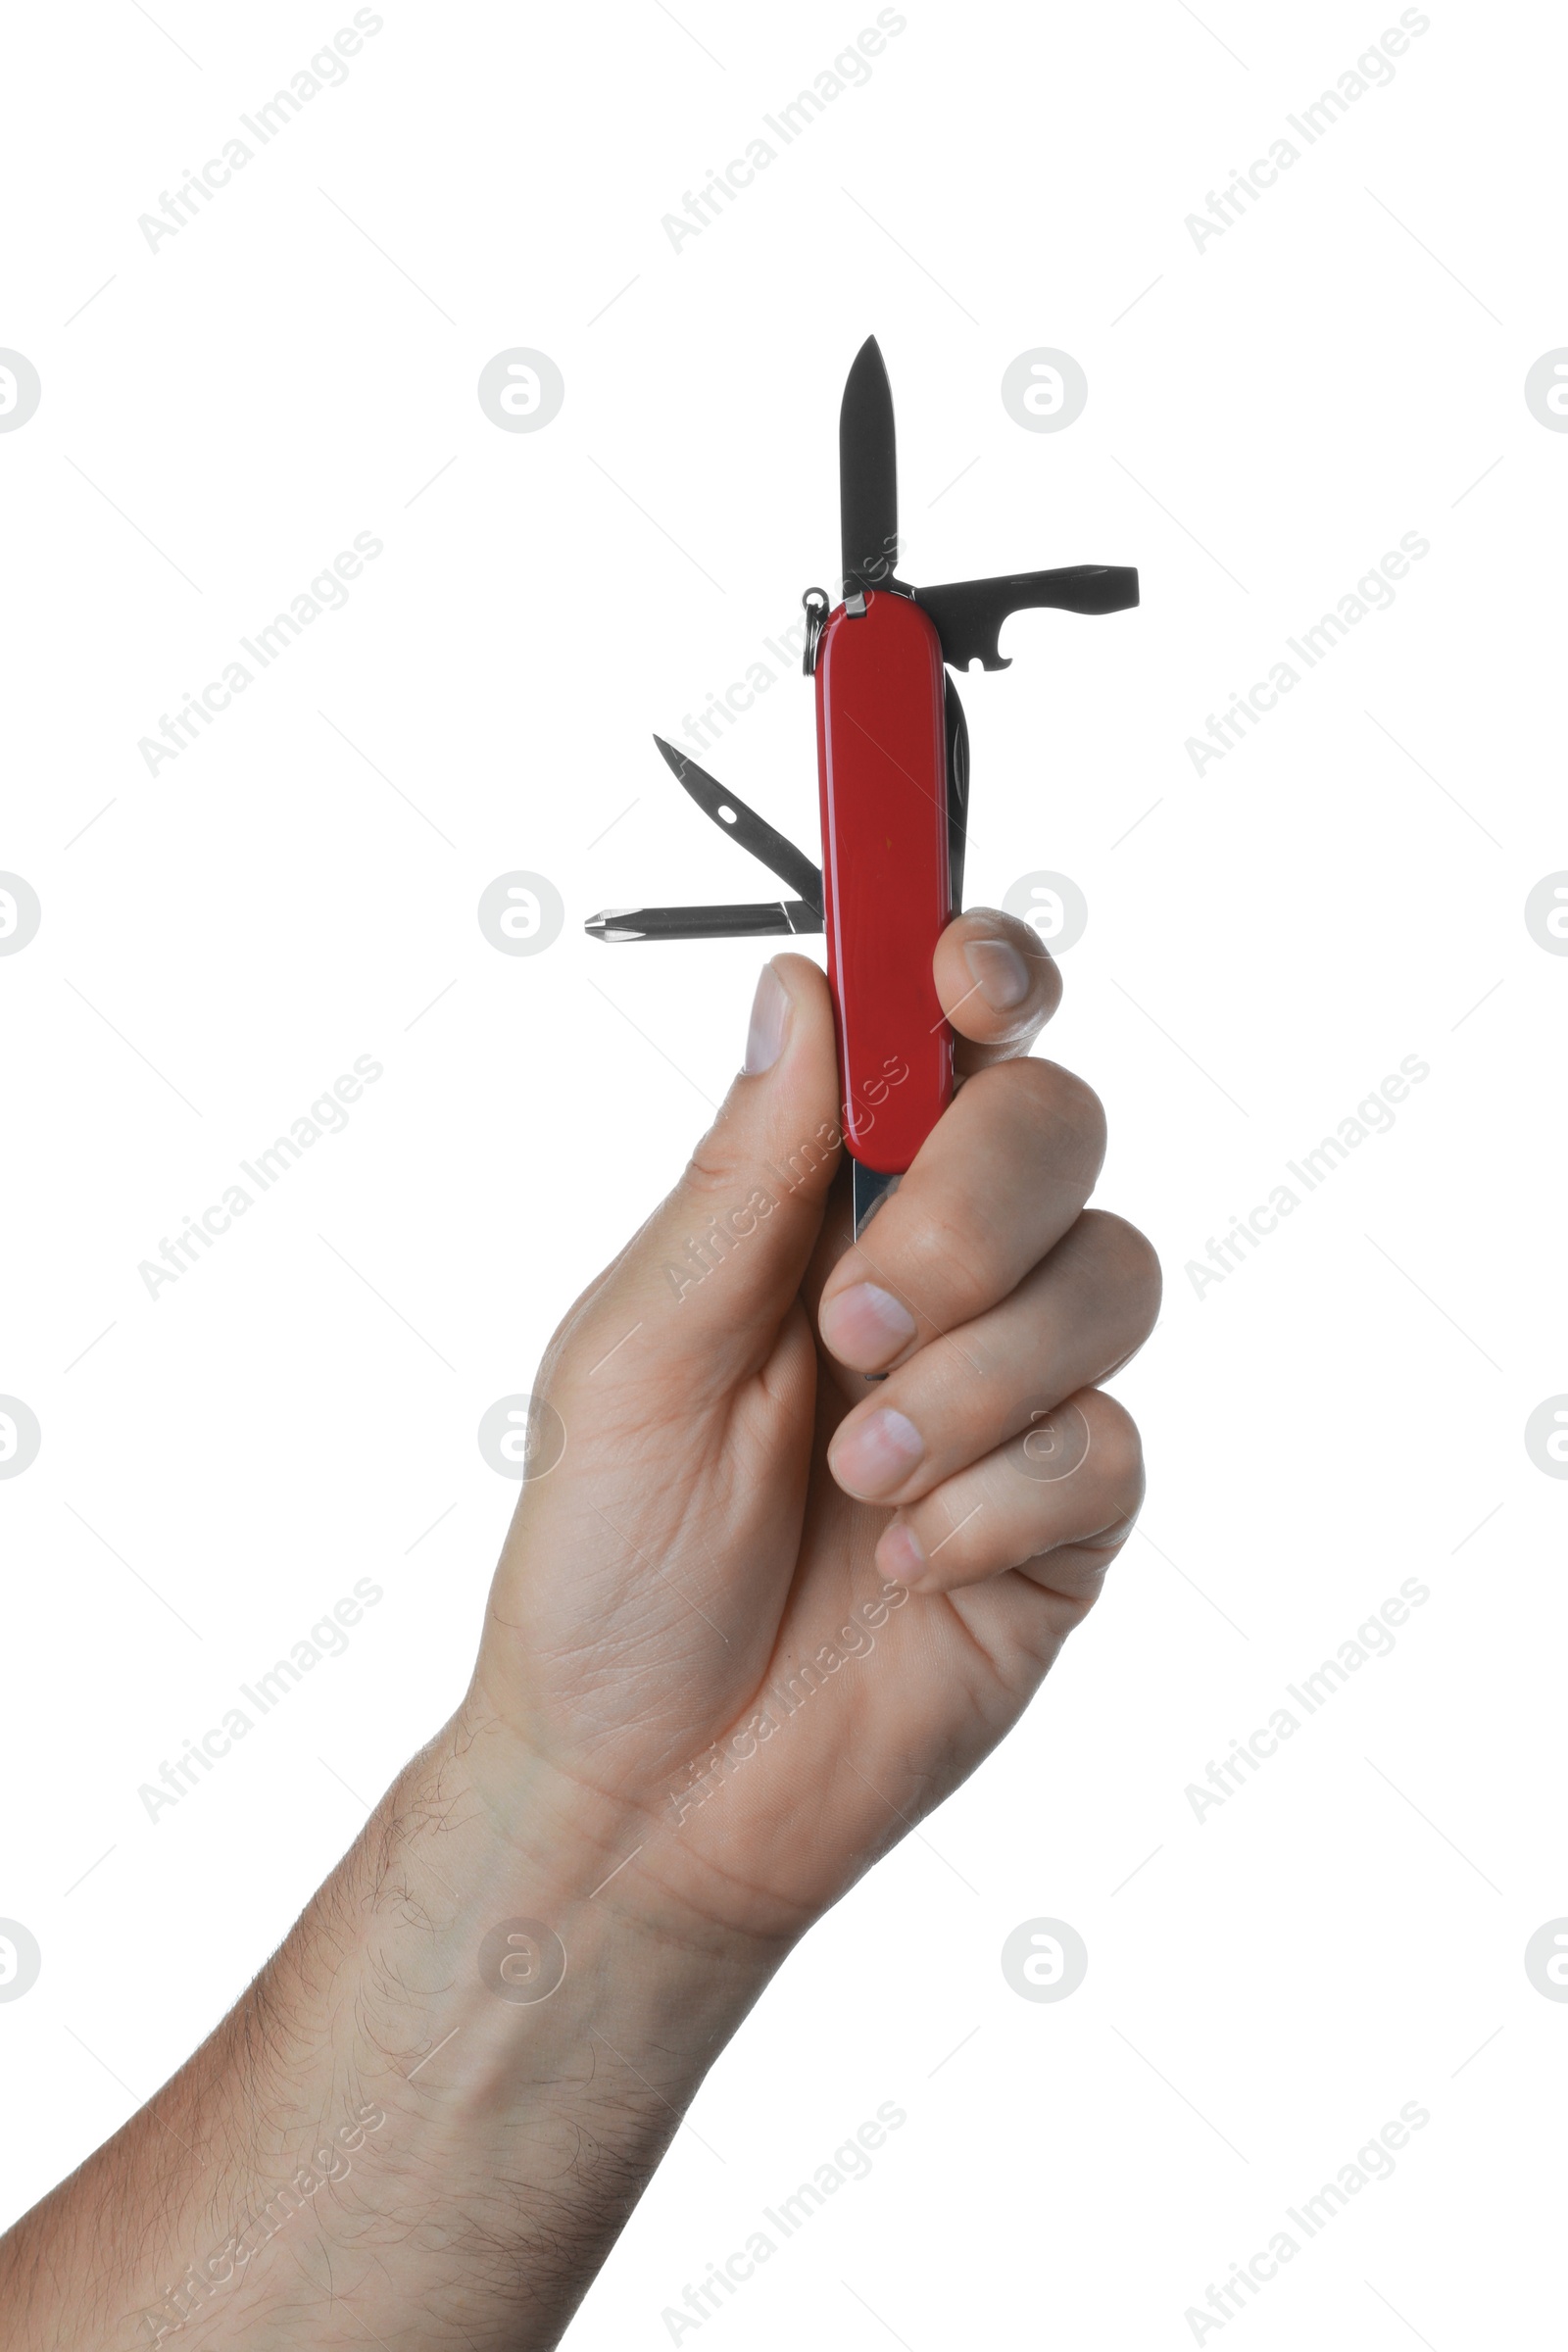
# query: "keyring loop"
815,614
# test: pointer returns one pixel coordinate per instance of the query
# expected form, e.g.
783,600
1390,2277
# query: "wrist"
522,1921
469,2042
641,1849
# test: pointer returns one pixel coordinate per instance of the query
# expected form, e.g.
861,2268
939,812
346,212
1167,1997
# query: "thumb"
710,1276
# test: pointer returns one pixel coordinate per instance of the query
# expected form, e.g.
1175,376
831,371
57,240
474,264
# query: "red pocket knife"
893,768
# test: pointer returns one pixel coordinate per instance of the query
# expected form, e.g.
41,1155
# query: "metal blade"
731,814
773,919
957,730
868,1188
868,477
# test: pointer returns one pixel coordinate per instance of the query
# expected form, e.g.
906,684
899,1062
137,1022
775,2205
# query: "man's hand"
810,1520
824,1514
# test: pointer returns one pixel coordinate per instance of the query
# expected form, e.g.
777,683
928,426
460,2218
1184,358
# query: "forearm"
392,2137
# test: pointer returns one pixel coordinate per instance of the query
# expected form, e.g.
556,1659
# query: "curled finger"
1072,1482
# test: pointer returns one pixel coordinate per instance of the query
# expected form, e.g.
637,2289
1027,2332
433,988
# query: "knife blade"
732,816
868,479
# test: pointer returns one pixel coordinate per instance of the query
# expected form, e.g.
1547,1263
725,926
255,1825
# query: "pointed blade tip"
868,360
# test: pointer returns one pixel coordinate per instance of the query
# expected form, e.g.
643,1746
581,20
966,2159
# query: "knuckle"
1115,1442
1064,1115
952,1531
941,1273
713,1166
1108,1545
1077,1120
1126,1260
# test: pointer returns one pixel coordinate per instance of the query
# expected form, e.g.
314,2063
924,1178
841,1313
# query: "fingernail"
877,1455
864,1325
771,1013
999,972
899,1556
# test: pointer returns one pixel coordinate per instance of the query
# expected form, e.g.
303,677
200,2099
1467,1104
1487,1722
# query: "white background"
1342,365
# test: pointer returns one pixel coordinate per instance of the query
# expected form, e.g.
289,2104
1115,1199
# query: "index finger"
996,984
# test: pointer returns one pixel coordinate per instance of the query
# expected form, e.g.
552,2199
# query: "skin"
645,1784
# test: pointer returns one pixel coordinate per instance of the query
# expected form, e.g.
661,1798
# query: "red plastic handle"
881,744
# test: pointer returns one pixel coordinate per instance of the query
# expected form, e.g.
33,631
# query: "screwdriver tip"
610,924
